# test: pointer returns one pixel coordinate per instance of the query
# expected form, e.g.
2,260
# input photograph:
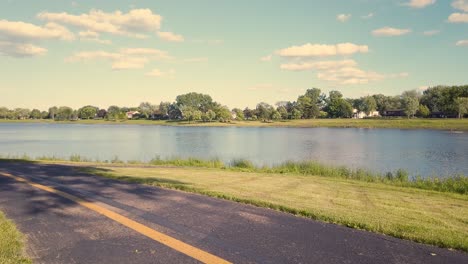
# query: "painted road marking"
171,242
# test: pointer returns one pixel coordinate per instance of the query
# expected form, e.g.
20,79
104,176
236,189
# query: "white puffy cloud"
419,3
341,71
462,43
133,23
343,17
322,50
431,32
20,50
171,37
460,5
159,73
390,32
124,59
92,36
458,18
18,39
21,31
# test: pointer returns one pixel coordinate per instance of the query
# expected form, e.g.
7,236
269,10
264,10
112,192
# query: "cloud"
92,36
462,43
368,16
343,17
419,3
266,58
460,5
158,73
133,23
458,18
20,50
431,32
21,31
125,59
390,32
322,50
343,72
171,37
19,39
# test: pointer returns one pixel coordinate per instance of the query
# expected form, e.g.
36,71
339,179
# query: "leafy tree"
190,114
368,105
283,112
239,114
311,103
101,113
423,111
296,114
174,112
223,114
36,114
211,115
64,113
410,101
275,115
148,110
21,113
113,112
44,114
52,112
248,113
4,112
462,106
337,106
264,111
87,112
202,102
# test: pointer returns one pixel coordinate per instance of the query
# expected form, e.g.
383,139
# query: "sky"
76,53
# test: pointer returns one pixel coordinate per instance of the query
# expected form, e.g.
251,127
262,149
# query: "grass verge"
430,217
11,243
397,123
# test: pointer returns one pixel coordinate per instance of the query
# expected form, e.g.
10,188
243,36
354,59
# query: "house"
397,112
132,114
360,114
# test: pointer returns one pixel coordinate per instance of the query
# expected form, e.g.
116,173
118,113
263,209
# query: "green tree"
4,112
275,115
113,112
368,105
198,101
21,113
36,114
211,115
337,107
148,110
264,111
52,112
423,111
88,112
44,114
296,114
410,102
283,112
223,114
239,114
462,106
64,113
311,103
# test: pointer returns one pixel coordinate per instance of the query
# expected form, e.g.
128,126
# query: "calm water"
424,152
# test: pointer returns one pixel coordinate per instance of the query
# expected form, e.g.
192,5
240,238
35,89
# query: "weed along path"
69,216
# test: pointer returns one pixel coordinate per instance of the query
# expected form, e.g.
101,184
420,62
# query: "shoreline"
458,125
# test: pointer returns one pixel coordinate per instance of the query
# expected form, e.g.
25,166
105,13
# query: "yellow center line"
171,242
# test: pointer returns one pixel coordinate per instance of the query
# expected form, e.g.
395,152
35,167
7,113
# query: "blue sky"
55,52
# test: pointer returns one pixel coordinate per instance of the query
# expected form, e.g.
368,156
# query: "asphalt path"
72,217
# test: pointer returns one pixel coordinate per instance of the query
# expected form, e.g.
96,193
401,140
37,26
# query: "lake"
421,152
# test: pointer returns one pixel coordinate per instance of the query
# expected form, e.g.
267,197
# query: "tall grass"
443,183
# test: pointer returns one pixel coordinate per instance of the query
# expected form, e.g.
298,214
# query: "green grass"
431,217
11,243
399,123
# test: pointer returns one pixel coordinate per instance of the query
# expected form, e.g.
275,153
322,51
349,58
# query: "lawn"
11,243
437,218
398,123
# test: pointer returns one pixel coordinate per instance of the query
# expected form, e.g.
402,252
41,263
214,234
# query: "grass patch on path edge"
11,243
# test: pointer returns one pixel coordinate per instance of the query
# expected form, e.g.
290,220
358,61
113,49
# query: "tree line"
439,101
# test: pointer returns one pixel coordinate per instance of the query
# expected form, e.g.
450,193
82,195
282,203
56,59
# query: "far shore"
395,123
